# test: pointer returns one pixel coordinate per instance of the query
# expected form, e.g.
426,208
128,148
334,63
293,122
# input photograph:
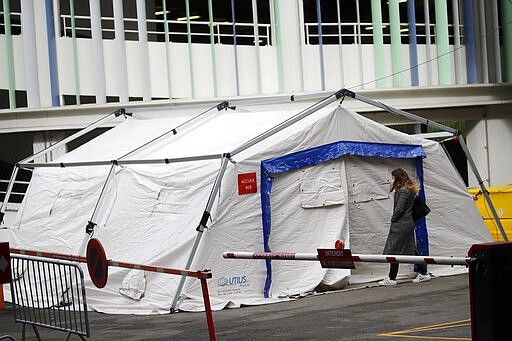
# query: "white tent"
322,178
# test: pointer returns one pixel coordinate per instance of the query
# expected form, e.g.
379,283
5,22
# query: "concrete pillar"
443,47
30,53
396,43
378,44
289,45
122,70
97,52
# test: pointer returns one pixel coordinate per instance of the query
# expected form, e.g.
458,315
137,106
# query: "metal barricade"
50,294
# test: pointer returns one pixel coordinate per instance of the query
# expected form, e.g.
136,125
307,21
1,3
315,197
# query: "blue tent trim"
327,153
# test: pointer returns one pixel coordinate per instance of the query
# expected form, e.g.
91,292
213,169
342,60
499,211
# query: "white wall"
225,67
180,72
490,143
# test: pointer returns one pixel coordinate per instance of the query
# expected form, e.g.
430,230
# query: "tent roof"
216,133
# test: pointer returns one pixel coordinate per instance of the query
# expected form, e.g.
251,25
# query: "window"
350,22
19,95
176,19
339,22
82,19
15,17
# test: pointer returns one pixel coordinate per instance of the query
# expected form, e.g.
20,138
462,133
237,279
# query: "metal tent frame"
227,157
89,229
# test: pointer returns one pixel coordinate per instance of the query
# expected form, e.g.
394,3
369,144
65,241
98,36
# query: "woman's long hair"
402,179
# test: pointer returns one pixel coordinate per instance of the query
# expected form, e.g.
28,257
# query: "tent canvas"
149,213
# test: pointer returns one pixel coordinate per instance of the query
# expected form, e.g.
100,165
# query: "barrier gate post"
490,292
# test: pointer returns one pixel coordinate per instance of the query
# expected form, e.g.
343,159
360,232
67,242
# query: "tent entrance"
309,210
328,158
370,207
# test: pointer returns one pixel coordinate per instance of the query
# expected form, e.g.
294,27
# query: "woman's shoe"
422,278
387,281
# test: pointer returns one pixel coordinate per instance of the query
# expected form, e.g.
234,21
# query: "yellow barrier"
501,197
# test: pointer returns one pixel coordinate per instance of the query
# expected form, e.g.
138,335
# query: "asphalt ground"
434,310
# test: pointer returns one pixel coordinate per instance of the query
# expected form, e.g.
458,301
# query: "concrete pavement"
438,309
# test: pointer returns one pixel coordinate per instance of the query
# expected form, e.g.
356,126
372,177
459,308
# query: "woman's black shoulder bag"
419,208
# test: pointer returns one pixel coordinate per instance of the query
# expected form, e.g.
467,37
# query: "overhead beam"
77,117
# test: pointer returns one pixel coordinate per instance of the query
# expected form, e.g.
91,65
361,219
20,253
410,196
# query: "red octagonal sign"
97,263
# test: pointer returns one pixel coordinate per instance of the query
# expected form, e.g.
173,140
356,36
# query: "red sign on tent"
247,183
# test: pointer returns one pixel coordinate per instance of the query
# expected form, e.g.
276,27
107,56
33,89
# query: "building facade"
63,63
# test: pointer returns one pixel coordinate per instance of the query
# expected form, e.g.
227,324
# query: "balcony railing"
361,33
200,30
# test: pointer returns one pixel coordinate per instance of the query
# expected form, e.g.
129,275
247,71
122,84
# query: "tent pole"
89,229
120,162
315,107
174,131
482,186
221,106
265,101
399,112
206,215
442,127
200,228
82,132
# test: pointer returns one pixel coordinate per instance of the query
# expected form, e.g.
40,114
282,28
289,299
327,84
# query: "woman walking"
401,239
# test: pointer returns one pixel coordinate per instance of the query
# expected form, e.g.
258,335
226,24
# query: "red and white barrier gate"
345,255
98,270
490,278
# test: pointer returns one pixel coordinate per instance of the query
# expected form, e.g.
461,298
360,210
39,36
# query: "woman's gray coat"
401,232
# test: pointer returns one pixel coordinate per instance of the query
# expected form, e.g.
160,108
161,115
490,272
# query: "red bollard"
5,270
2,302
208,308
